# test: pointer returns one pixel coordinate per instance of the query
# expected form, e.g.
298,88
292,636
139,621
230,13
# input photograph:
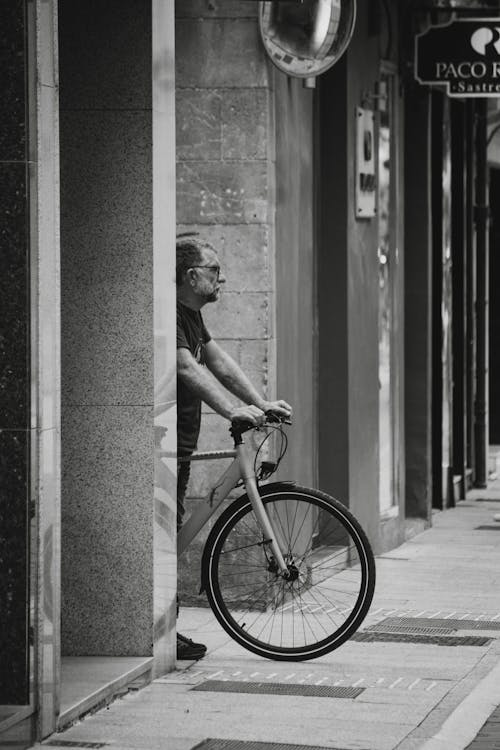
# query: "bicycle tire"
253,602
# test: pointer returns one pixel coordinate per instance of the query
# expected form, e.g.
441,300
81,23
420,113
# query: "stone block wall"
225,191
224,183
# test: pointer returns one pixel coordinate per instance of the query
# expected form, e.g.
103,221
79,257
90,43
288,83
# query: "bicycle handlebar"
239,426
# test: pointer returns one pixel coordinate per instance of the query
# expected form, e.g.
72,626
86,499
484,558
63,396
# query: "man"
199,280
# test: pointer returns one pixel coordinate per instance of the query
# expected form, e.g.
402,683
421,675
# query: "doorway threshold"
88,681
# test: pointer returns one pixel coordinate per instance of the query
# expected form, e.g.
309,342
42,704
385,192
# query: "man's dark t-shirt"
192,335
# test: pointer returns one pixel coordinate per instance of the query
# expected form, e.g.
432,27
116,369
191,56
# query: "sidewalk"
427,664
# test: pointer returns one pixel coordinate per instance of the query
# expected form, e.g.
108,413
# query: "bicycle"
288,571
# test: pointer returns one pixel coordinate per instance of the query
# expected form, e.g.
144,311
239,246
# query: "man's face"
207,277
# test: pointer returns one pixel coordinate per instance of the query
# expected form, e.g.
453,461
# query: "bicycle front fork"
270,533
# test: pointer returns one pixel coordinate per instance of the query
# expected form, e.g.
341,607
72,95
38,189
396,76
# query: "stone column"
107,327
418,300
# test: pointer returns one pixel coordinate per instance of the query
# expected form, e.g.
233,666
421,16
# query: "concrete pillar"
418,304
107,327
296,268
333,207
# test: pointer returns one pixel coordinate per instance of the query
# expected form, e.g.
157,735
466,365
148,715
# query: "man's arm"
194,376
230,374
232,377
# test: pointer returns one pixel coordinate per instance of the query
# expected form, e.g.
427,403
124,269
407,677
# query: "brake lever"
273,418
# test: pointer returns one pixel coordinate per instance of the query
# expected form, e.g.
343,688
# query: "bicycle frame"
264,603
240,469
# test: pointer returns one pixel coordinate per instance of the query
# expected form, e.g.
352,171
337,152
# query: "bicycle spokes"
311,606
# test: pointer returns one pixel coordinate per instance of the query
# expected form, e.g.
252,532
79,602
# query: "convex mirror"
304,38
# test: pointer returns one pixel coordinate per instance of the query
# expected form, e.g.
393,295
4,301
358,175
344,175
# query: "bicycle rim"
331,575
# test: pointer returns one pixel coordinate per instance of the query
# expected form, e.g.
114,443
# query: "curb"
463,725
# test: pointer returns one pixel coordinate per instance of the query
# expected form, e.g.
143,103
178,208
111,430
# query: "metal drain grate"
437,623
487,499
431,640
211,744
278,688
409,629
487,528
69,743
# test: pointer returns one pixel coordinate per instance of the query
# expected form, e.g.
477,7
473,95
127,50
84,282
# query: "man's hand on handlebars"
251,414
280,408
257,416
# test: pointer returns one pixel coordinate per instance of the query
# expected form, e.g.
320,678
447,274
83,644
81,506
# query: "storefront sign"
463,56
365,165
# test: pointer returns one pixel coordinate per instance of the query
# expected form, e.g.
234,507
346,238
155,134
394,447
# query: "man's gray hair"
189,249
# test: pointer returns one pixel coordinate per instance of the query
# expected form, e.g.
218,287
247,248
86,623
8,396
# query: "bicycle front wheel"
328,587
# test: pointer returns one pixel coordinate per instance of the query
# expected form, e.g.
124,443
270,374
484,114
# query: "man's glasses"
212,268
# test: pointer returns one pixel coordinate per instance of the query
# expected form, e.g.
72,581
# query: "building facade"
351,222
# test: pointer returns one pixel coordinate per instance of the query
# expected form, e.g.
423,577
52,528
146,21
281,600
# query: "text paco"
448,71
